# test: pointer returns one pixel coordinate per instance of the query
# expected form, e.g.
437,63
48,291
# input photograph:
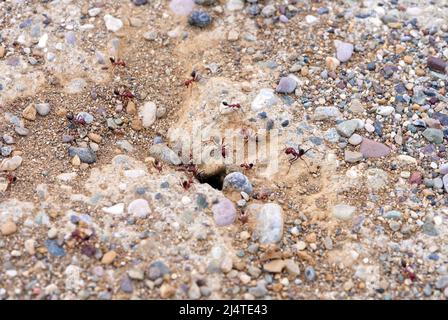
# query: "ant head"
225,103
69,116
193,74
112,59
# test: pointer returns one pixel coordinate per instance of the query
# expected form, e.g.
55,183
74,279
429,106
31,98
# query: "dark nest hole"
215,179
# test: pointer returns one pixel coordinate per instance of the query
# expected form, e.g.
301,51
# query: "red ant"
11,179
248,133
191,168
75,121
186,184
296,155
117,62
247,166
223,148
158,165
125,96
194,78
233,106
243,217
407,271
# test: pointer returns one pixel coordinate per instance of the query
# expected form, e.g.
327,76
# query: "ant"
84,237
248,134
11,179
186,184
194,78
117,62
76,121
125,96
297,154
191,168
243,217
232,106
407,271
158,165
247,166
223,147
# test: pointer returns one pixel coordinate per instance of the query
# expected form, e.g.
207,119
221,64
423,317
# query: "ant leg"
289,168
291,161
294,159
305,163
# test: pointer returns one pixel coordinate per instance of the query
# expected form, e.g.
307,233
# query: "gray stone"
433,135
164,153
326,113
332,135
286,85
355,139
259,291
343,211
157,269
199,19
224,212
347,128
443,167
265,98
268,11
352,156
445,182
268,224
148,114
442,282
86,155
8,139
237,181
344,50
43,108
21,131
393,214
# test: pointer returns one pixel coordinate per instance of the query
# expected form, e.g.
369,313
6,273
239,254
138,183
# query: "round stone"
344,50
267,222
139,208
224,212
265,98
355,139
199,19
11,164
109,257
237,181
43,109
286,85
343,211
8,228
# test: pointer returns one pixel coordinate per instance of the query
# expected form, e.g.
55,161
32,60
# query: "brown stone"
95,137
8,228
407,59
275,266
137,124
109,257
131,108
166,291
29,113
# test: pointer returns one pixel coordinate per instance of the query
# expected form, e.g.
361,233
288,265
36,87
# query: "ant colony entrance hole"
215,179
